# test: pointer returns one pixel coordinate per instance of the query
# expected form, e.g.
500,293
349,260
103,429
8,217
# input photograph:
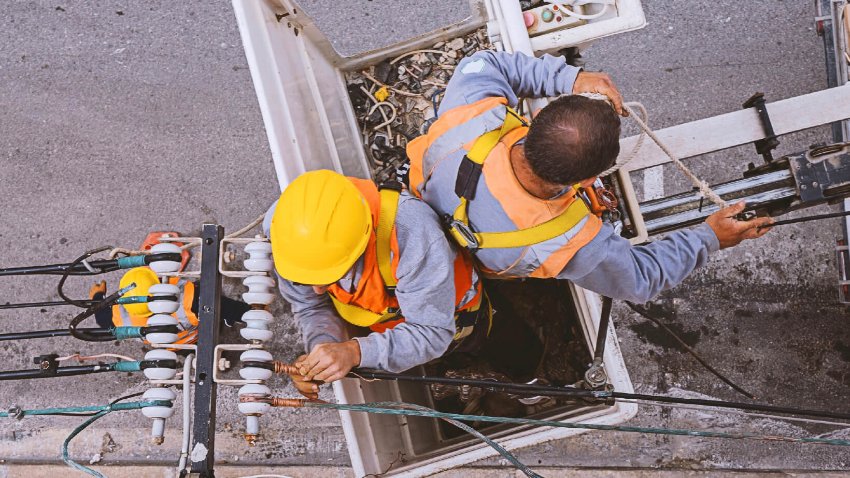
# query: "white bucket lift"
310,122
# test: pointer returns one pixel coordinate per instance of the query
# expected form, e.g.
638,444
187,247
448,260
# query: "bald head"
571,139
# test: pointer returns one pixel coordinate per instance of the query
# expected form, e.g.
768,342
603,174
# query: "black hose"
43,334
59,372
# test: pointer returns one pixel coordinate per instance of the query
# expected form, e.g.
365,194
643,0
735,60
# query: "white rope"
630,107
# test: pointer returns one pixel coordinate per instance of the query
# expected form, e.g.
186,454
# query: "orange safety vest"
187,320
373,294
531,237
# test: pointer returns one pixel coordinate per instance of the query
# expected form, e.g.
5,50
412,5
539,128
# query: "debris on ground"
396,100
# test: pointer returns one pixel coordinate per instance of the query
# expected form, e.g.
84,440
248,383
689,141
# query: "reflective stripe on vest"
524,236
372,303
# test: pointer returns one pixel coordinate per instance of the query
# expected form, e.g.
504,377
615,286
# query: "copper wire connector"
285,368
273,401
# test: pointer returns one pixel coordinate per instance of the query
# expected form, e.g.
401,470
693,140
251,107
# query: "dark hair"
573,138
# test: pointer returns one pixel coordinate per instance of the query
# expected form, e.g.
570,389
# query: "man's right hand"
308,388
730,231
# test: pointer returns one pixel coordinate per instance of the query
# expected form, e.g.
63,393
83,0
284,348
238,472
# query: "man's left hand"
589,82
330,361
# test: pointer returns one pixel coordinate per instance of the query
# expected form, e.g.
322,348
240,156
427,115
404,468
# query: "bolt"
229,256
803,187
251,439
16,413
223,364
814,184
45,364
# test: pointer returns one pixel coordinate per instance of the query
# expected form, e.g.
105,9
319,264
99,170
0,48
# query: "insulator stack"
162,310
259,295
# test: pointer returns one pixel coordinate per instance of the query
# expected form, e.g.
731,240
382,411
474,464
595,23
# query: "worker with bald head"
508,191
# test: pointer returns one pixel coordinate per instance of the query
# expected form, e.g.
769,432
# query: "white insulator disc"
259,290
254,408
161,319
256,355
164,306
249,333
164,337
259,259
160,373
158,393
161,267
257,316
164,289
160,354
254,373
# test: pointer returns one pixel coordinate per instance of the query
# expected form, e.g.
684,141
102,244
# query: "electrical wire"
187,413
645,314
396,408
83,358
65,274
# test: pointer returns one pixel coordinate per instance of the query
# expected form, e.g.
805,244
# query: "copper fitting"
259,307
251,439
254,398
285,368
288,402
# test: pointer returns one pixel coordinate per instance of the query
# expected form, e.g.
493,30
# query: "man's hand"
330,362
307,388
730,231
588,82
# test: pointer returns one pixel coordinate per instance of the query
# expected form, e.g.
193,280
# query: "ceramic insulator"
259,257
254,408
159,414
259,290
161,338
257,325
163,306
162,267
255,373
160,373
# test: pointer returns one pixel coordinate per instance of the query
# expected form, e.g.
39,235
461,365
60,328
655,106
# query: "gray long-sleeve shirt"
425,293
609,264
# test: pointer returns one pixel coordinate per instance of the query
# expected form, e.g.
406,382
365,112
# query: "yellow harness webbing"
386,220
468,176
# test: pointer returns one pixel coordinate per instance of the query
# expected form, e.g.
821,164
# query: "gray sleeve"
315,315
510,75
611,266
425,293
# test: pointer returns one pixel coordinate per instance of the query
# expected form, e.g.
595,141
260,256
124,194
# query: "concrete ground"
118,118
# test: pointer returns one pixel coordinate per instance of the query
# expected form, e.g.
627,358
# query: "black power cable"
604,395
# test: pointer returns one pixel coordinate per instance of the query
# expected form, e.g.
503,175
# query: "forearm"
513,76
403,347
639,273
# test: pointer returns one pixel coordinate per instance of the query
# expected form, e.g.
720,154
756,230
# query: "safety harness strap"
362,317
469,173
386,221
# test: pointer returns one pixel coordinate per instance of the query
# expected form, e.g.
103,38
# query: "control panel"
551,17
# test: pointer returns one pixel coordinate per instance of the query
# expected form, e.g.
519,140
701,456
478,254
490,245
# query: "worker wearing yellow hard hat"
376,258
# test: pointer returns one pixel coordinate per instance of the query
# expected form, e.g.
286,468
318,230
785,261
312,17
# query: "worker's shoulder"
414,216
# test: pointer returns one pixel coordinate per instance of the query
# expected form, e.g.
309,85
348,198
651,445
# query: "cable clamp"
16,413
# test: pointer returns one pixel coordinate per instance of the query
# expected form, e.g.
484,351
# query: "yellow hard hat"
144,278
319,229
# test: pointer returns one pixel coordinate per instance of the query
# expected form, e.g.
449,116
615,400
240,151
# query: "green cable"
124,333
381,408
115,407
66,455
127,366
131,261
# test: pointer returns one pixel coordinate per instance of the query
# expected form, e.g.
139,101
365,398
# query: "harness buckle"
463,234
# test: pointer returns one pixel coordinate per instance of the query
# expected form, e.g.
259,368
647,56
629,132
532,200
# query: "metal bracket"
766,145
209,298
820,170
